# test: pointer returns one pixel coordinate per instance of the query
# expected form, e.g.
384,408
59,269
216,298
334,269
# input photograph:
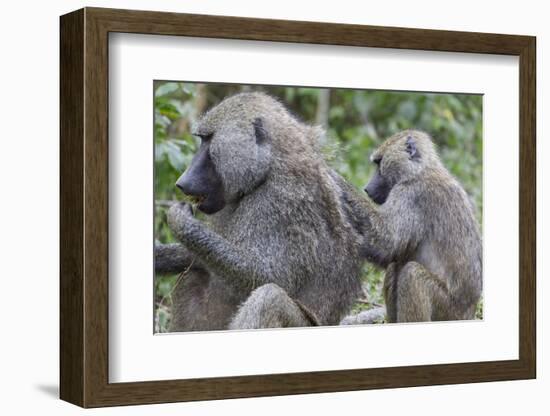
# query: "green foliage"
174,145
357,122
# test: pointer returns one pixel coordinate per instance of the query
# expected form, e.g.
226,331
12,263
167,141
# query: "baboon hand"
182,207
179,215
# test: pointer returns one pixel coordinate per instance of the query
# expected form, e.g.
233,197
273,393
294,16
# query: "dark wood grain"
527,208
71,100
226,27
84,207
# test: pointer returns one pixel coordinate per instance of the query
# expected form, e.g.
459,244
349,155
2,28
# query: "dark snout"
199,178
378,189
191,183
202,182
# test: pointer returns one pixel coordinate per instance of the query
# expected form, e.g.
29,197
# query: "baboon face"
397,158
378,188
202,182
233,159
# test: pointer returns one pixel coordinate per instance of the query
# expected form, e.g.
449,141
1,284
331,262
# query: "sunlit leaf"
166,89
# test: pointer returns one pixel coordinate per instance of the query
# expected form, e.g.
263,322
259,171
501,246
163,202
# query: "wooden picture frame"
84,207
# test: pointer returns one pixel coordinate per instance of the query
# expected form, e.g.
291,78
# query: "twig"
368,302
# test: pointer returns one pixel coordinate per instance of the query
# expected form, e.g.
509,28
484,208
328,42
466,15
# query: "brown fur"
425,233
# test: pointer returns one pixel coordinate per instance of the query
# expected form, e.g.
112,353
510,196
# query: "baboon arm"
242,268
392,229
172,258
388,230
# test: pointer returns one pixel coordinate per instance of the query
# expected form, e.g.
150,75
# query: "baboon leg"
269,306
201,303
390,292
421,295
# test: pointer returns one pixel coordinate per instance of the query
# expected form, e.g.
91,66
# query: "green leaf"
166,89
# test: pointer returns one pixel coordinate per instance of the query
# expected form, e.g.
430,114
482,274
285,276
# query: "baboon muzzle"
202,182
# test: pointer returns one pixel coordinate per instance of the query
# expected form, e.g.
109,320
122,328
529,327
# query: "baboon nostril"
185,187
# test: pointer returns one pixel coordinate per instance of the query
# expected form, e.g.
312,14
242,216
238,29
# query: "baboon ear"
259,131
411,148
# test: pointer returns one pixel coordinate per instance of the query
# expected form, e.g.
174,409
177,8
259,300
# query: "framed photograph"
255,207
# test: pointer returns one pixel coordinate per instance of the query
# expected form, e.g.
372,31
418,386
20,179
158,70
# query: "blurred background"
356,121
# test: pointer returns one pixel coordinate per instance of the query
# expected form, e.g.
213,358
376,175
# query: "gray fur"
283,251
425,234
371,316
269,306
172,258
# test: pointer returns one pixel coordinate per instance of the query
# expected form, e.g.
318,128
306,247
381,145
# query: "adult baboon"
424,232
280,247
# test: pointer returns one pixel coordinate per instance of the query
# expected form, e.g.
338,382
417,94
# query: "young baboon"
423,231
279,248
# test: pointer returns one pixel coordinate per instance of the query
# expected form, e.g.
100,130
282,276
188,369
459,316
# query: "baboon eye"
205,137
410,147
377,161
259,130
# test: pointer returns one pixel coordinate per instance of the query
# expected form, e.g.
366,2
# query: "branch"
165,202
